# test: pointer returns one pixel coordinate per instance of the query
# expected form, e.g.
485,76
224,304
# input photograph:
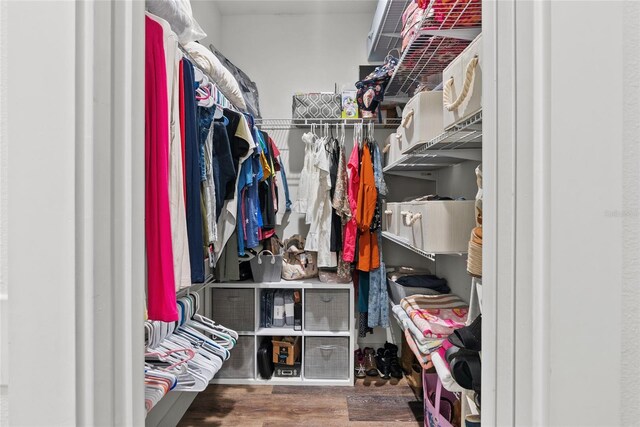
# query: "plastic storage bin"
326,310
233,308
326,358
397,291
438,226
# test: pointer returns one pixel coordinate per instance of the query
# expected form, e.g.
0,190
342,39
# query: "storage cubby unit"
327,332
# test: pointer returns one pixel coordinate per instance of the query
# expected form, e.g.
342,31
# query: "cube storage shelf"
328,331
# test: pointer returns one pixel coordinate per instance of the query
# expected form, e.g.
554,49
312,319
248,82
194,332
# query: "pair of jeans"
193,175
378,295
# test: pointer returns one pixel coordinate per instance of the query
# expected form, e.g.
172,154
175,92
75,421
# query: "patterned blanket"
436,316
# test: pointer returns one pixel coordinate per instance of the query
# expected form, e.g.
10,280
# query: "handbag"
317,105
297,263
266,270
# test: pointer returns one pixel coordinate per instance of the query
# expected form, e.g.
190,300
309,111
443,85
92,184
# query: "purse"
297,263
267,269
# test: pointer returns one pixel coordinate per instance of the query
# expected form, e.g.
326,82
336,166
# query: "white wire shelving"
460,143
445,31
283,124
405,244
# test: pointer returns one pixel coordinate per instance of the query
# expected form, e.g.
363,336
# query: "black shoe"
383,361
394,364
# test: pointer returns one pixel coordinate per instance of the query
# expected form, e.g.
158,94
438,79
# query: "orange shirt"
368,251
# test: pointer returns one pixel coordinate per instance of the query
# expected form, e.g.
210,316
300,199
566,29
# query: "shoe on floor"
360,370
394,363
370,362
383,360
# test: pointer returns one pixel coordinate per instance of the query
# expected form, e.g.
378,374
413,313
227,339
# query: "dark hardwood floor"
372,402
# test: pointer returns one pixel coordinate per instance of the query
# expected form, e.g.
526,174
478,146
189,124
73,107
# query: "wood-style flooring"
372,402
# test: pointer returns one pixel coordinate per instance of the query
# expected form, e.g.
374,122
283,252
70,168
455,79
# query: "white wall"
207,13
285,54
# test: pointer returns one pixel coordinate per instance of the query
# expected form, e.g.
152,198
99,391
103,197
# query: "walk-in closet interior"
319,224
319,213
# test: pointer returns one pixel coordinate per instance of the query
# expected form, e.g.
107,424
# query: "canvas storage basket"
421,119
317,105
391,217
395,147
438,226
462,91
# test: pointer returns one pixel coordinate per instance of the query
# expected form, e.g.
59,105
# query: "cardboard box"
286,350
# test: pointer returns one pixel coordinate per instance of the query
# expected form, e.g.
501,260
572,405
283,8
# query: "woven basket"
474,260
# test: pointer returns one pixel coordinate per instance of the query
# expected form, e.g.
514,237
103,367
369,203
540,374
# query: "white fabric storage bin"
233,308
438,226
454,77
326,310
421,119
241,364
391,218
326,358
396,145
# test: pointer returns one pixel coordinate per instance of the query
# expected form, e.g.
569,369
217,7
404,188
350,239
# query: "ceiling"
295,7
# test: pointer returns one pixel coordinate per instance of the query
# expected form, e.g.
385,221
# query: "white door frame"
561,213
74,204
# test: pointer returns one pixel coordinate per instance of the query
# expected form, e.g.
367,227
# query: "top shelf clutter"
446,29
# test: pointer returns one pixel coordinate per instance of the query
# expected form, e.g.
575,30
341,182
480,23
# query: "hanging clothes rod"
282,124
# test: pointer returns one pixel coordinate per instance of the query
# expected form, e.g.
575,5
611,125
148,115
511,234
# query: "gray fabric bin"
241,364
326,310
326,358
233,308
397,291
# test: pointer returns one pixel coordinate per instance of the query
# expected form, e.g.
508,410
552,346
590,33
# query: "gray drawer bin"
233,308
326,358
241,364
326,310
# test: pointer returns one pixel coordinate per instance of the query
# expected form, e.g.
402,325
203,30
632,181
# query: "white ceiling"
295,7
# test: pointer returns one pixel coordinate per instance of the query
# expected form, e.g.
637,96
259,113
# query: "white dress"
319,237
302,203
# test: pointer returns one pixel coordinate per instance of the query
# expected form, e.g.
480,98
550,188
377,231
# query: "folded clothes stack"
428,320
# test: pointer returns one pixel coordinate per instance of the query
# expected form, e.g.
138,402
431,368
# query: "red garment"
161,288
351,228
182,129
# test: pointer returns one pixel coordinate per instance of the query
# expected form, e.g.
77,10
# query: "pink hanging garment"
351,228
161,291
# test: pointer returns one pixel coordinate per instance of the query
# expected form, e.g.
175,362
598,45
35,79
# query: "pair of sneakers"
384,362
365,363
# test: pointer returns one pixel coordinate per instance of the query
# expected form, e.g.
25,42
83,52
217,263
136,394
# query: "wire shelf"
429,255
446,29
283,124
460,143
